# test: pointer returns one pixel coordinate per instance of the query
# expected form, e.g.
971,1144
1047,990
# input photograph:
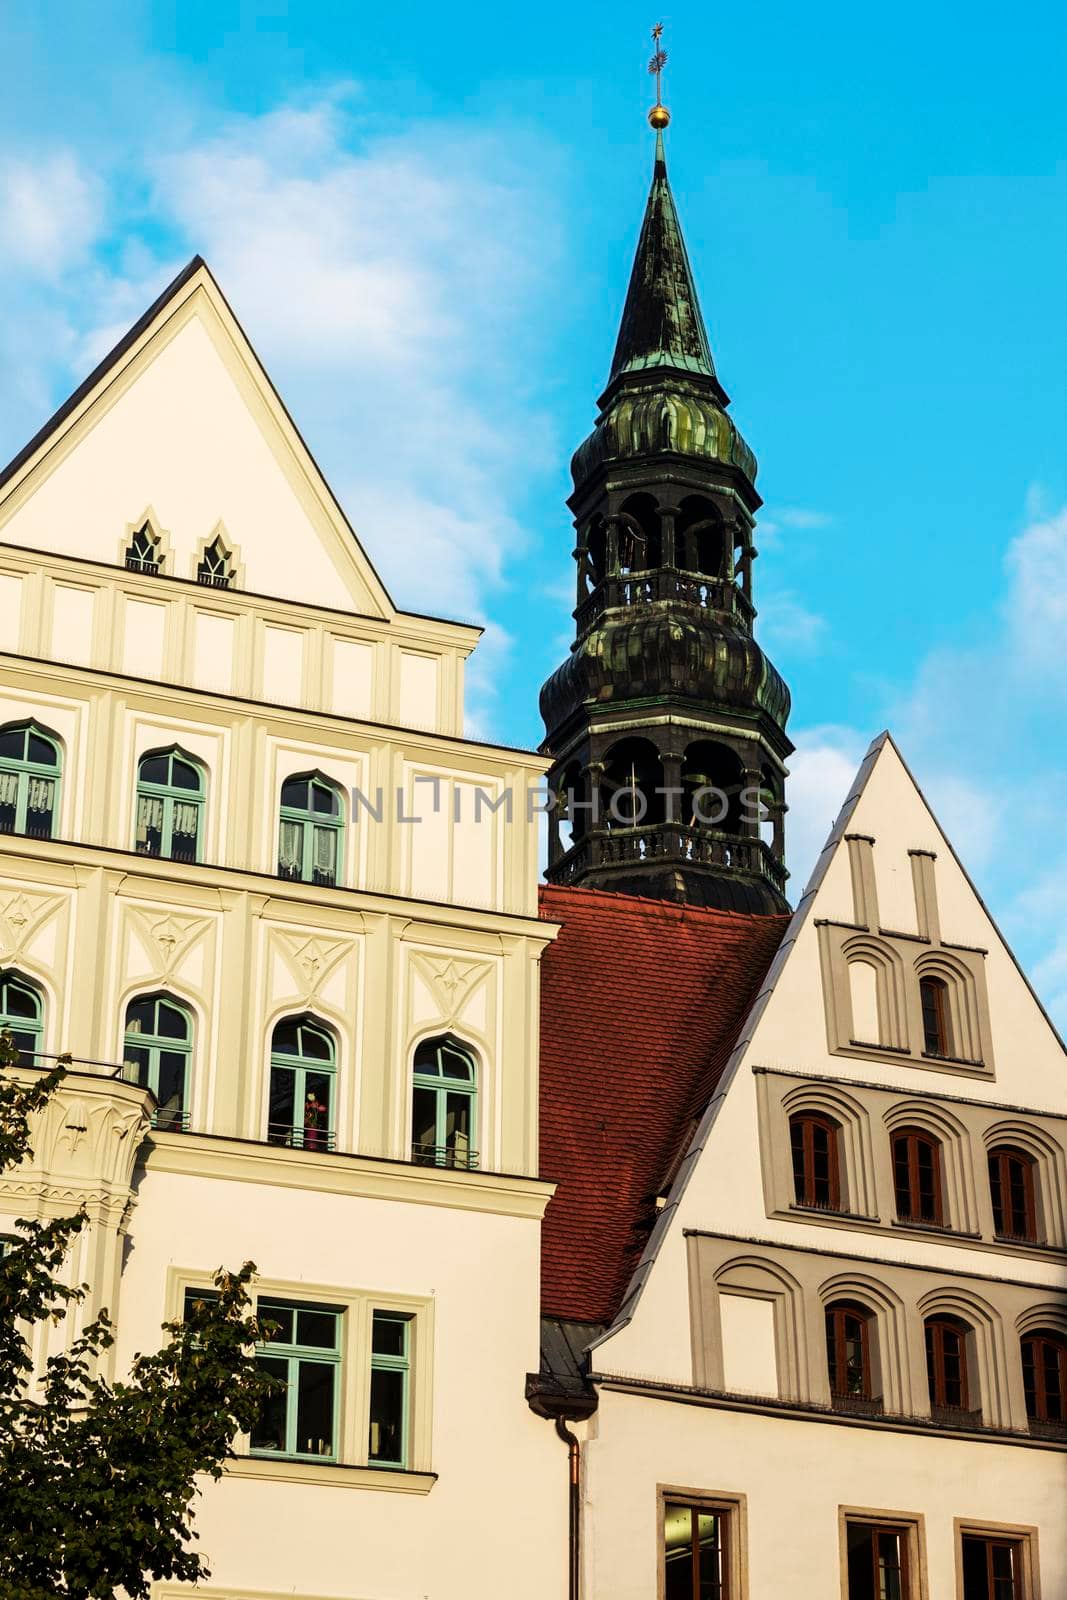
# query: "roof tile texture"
641,1004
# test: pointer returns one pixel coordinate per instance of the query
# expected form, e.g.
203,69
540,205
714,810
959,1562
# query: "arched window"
157,1052
1045,1378
29,780
937,1035
816,1161
946,1364
628,788
215,569
917,1176
1011,1188
142,552
712,780
444,1094
311,831
21,1013
303,1071
848,1355
170,805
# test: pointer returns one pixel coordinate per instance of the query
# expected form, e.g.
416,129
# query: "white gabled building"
839,1364
322,1017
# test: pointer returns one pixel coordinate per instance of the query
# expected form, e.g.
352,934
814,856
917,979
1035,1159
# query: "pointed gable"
181,421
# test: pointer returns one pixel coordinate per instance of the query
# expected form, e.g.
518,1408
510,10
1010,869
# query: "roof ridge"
673,908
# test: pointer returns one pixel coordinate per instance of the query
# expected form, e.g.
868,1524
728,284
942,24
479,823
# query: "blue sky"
425,220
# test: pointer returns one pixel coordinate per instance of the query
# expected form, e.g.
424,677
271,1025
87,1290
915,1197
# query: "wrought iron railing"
444,1155
165,1120
858,1405
214,580
664,583
284,1133
142,564
673,841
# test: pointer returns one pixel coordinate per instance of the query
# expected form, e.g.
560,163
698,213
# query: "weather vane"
659,116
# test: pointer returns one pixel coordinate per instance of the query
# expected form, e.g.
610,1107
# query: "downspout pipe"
574,1547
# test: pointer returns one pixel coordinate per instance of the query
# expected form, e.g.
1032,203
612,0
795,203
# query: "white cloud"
798,517
51,210
1037,606
785,621
821,771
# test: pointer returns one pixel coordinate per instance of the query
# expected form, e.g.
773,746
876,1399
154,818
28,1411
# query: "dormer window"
142,553
215,570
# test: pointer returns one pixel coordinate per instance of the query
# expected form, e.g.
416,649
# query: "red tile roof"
641,1004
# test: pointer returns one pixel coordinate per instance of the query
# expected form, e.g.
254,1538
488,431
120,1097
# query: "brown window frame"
1041,1339
901,1532
913,1138
730,1509
1000,1191
806,1122
936,1330
937,1040
1021,1541
836,1360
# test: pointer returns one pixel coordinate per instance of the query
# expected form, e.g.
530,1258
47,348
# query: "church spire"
661,321
666,723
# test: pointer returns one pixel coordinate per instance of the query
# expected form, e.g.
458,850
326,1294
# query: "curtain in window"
9,788
326,852
290,843
41,793
186,819
149,816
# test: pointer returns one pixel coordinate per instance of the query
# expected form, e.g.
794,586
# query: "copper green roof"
661,321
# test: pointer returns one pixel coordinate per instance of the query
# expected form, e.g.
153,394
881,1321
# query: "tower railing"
630,589
676,842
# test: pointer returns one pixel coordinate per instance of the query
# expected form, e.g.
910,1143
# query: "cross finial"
659,116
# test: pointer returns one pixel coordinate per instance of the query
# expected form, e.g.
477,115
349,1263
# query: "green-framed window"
29,780
311,830
390,1385
303,1349
303,1075
22,1013
444,1104
157,1053
170,805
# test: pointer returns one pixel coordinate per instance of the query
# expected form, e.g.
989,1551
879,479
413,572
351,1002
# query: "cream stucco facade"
299,667
713,1381
404,916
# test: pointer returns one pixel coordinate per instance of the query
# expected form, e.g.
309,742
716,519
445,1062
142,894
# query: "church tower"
666,723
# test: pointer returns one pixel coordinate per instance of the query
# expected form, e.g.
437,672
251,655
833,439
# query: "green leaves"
99,1479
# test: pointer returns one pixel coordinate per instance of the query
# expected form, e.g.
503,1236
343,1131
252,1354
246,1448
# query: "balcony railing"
665,583
284,1133
857,1405
142,564
669,841
214,580
443,1155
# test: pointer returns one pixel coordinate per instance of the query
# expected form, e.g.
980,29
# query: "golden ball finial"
659,117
